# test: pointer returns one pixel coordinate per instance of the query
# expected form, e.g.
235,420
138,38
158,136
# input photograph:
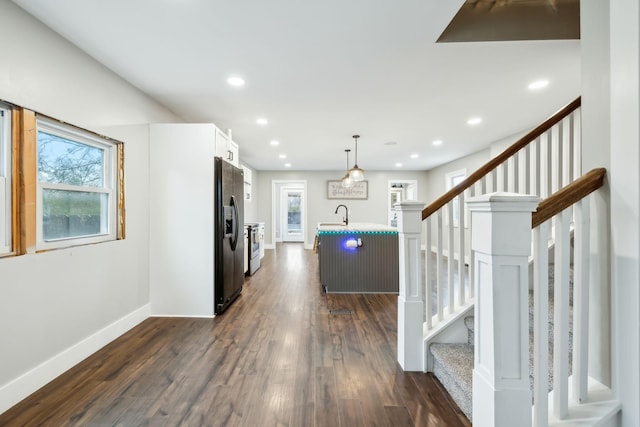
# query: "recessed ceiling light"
473,121
235,81
398,165
414,156
538,84
437,142
262,121
274,143
283,156
287,165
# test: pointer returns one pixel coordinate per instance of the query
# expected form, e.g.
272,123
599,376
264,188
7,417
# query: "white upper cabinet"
247,182
234,152
226,148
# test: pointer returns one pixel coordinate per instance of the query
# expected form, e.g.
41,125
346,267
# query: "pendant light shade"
346,179
355,173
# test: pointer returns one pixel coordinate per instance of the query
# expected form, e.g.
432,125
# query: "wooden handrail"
567,196
501,158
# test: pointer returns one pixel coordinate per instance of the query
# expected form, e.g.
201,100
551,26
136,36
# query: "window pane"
68,214
457,180
63,161
294,224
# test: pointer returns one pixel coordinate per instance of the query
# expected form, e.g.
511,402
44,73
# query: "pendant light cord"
356,159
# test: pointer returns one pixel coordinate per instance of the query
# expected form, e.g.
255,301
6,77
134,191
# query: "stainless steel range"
253,248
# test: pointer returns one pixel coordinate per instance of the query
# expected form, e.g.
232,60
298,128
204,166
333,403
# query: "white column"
410,298
501,243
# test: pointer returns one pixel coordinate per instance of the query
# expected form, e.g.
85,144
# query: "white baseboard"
188,316
27,383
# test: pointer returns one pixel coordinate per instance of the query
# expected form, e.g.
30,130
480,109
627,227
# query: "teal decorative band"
323,232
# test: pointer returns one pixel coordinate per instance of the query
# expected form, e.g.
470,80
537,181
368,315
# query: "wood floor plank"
442,408
275,357
398,416
326,413
351,413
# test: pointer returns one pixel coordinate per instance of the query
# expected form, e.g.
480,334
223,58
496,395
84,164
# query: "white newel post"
410,297
501,242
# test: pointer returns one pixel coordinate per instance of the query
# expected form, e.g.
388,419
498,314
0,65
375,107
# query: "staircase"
545,162
453,362
453,366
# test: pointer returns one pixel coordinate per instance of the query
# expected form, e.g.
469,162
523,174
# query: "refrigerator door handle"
234,242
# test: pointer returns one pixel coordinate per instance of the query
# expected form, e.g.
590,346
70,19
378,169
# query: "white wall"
499,146
59,306
319,208
596,143
181,219
624,179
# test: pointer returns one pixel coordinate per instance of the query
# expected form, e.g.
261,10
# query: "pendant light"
355,173
346,179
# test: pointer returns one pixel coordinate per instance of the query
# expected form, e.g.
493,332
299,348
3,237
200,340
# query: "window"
77,192
5,180
453,179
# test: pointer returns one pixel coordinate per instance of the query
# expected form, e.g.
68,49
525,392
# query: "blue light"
350,243
320,232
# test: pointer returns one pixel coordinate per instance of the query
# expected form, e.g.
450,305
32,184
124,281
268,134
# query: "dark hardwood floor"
276,357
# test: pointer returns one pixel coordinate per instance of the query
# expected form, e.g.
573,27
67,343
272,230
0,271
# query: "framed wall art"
359,190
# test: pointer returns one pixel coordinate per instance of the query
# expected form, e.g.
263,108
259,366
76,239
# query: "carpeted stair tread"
453,366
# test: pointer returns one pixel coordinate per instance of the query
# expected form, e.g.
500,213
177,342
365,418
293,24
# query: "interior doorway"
289,211
292,214
400,190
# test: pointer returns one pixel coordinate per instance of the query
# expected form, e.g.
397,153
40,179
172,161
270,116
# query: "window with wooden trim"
5,180
77,186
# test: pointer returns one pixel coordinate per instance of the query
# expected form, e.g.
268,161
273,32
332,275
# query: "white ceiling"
322,71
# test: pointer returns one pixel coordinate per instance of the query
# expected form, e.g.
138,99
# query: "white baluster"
561,315
536,169
440,286
581,300
428,262
577,150
556,156
503,177
526,170
450,257
461,250
565,149
514,176
541,325
494,180
570,173
546,155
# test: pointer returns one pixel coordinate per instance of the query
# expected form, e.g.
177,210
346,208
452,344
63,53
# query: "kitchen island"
358,258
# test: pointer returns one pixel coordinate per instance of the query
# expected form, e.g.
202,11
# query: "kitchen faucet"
346,212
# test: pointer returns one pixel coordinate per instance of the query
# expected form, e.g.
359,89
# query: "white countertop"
356,226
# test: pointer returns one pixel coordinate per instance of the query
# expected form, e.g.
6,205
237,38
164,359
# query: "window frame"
450,182
6,177
110,185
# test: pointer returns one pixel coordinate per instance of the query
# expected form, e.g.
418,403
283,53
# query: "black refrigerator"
228,234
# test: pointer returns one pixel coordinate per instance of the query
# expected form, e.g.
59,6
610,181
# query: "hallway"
277,356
